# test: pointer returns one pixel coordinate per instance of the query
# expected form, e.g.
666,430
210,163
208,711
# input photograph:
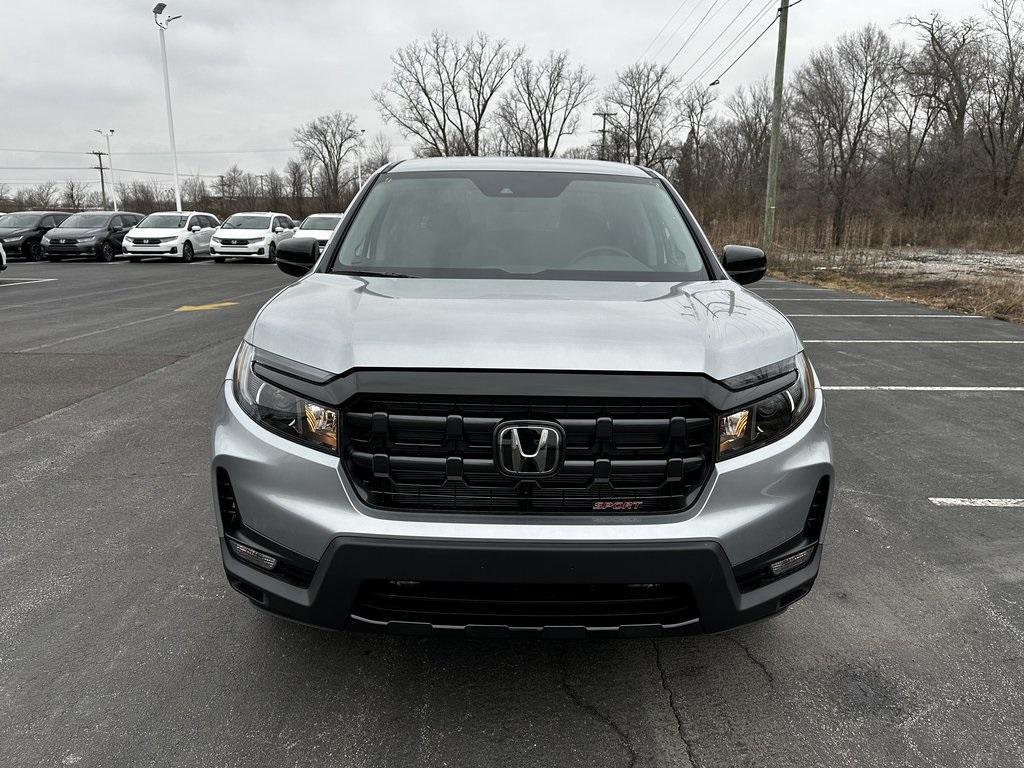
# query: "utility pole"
103,183
604,132
261,177
113,188
776,144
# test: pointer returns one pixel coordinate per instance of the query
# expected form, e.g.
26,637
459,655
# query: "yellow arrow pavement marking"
204,307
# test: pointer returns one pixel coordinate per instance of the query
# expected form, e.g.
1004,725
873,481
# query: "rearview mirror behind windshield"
297,255
744,263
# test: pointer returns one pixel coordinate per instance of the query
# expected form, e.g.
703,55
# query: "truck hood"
337,322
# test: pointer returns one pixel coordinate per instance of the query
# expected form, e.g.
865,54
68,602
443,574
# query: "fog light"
259,252
174,249
252,556
791,563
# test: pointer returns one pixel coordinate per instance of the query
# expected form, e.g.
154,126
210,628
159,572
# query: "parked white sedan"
321,226
251,236
171,235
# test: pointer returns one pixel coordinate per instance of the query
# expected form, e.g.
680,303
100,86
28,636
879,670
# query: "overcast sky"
244,73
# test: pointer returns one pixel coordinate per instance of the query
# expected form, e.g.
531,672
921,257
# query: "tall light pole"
113,190
359,157
158,9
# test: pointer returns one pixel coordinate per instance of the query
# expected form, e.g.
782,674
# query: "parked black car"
22,232
90,234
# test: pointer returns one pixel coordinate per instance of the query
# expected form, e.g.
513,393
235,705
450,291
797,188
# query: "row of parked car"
180,235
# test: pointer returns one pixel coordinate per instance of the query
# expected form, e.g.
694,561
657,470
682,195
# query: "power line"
663,28
717,38
675,31
696,29
154,152
727,49
744,52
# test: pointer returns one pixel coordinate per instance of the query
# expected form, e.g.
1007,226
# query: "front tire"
272,254
187,253
106,252
35,251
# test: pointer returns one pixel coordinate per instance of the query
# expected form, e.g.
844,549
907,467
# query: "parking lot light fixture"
110,159
162,25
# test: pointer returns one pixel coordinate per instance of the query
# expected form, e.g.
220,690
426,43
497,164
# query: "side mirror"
744,263
278,230
296,256
196,228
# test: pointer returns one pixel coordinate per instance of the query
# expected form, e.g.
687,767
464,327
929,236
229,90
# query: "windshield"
241,221
20,219
521,224
321,222
85,221
163,221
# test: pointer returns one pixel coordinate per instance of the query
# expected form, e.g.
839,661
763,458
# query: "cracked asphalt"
121,644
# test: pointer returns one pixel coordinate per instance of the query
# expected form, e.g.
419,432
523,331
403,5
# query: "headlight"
281,411
44,241
769,419
10,240
215,240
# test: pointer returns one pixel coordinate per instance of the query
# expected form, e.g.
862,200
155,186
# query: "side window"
192,222
118,222
209,221
48,222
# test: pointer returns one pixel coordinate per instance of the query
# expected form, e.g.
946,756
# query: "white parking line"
919,314
25,281
942,502
893,388
913,341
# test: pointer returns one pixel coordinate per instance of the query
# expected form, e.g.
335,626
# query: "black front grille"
621,455
524,605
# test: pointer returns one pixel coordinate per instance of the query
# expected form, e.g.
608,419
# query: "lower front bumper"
71,251
699,569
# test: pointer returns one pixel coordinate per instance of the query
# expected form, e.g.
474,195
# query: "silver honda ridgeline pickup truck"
521,397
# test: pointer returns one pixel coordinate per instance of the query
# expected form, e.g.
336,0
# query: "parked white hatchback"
321,226
171,235
251,236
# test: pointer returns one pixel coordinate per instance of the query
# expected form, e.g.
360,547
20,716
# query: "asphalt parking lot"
121,644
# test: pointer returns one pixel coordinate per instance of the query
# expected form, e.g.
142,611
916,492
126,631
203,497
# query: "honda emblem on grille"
529,448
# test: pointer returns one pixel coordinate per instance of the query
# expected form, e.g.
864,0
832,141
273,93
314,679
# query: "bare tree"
695,104
194,191
295,179
274,189
998,106
229,184
946,69
378,153
543,104
41,195
328,141
73,195
839,95
909,119
441,91
646,98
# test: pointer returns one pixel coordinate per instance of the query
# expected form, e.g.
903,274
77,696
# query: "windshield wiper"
373,273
